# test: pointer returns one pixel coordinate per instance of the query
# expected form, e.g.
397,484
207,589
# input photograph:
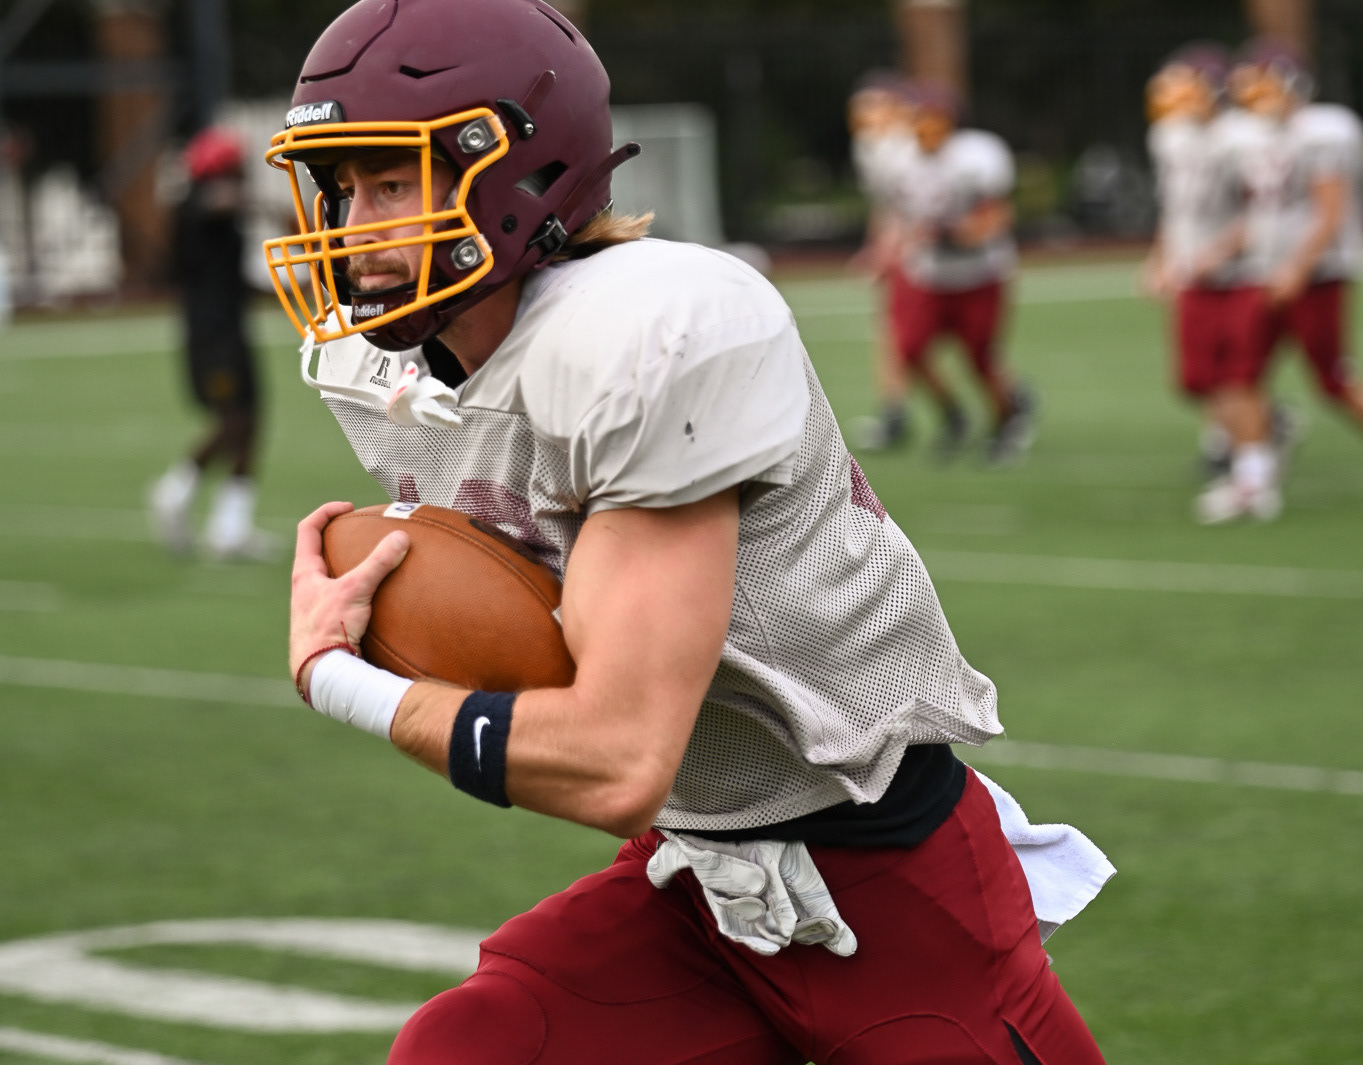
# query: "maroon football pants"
949,971
1316,319
918,316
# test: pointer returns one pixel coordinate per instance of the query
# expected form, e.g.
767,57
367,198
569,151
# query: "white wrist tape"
349,689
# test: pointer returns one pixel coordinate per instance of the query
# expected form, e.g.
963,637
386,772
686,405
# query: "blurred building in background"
97,96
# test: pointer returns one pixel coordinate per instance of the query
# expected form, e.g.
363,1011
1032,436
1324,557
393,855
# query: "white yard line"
1054,571
56,1048
181,685
1136,576
186,686
1146,766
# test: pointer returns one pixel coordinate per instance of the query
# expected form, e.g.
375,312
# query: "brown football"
468,605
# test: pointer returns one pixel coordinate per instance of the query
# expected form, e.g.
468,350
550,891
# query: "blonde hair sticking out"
604,230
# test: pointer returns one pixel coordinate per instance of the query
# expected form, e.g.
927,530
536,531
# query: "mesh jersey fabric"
838,654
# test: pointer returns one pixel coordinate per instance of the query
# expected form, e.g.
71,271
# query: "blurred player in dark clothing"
214,297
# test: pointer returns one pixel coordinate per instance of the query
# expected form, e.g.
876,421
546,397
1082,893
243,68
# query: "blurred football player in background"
214,297
883,147
766,687
1300,164
956,247
1194,261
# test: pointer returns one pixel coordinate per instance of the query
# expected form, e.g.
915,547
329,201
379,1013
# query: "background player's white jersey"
938,190
881,162
1200,194
1279,163
654,374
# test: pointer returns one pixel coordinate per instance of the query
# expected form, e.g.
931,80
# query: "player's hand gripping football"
333,612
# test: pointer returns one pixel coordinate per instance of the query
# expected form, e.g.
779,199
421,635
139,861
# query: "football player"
766,686
1194,258
880,119
1300,165
214,298
957,255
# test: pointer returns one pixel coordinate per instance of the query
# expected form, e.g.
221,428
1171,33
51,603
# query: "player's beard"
376,262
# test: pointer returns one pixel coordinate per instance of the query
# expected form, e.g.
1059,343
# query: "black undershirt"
444,366
925,789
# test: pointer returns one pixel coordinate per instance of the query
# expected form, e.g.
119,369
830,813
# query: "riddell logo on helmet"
309,114
366,310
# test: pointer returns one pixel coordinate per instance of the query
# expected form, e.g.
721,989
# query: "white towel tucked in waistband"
1064,868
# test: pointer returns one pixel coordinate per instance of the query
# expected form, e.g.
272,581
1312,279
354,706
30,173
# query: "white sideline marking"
1135,576
66,969
1187,768
146,682
261,691
28,597
980,567
56,1048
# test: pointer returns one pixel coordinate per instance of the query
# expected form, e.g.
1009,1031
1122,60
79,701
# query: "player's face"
379,187
1179,91
871,113
1261,92
932,128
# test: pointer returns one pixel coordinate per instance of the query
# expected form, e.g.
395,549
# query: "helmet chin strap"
418,326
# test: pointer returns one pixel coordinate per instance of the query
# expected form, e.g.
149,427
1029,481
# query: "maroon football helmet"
507,92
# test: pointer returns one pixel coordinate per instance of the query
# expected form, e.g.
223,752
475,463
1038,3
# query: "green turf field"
1188,696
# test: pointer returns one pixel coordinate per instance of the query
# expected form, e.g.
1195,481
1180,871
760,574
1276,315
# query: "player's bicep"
646,604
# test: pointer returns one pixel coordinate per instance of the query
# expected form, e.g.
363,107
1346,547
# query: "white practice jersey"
653,374
1280,163
938,190
881,163
1201,197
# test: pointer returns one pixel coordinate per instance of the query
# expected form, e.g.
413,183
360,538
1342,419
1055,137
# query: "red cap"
213,152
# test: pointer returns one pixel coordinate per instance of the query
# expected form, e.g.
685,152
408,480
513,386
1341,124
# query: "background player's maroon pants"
949,971
918,316
1204,335
1315,319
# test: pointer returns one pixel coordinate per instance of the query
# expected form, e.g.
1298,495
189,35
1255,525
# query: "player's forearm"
986,222
608,765
424,722
1218,251
1329,197
567,755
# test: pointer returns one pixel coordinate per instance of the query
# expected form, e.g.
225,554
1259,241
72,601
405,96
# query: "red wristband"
298,677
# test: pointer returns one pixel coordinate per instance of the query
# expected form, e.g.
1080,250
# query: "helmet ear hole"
540,181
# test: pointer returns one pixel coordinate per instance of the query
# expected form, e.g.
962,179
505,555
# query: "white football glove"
765,894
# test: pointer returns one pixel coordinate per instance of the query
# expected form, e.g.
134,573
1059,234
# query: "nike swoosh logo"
478,726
